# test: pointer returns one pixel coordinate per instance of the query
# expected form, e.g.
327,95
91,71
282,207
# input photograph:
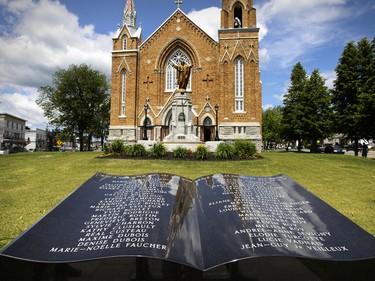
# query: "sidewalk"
370,154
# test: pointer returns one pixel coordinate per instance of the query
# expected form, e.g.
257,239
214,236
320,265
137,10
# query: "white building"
36,140
12,133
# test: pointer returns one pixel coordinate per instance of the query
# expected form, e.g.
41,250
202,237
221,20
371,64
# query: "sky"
39,36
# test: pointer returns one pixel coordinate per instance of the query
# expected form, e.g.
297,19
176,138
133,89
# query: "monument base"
188,145
181,138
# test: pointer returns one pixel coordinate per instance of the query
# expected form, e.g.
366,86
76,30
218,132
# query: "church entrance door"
208,129
207,134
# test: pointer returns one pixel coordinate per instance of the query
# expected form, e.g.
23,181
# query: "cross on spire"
178,2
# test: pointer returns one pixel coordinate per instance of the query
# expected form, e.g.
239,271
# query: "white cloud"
264,56
21,102
46,36
293,28
330,77
39,37
292,7
207,19
263,30
267,106
279,97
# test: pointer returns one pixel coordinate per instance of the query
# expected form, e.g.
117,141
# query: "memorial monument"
182,128
197,224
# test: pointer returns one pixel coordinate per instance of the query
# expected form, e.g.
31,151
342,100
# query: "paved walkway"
370,154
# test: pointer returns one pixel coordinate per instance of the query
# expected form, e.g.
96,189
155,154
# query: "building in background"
36,140
12,133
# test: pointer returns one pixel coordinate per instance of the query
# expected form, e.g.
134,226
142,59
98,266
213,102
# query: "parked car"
333,148
320,148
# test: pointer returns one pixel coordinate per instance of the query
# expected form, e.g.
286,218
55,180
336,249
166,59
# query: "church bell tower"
239,63
238,14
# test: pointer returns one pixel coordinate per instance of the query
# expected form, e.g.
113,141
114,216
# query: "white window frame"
123,93
239,84
124,42
171,73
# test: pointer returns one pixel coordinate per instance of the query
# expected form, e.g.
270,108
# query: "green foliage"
244,148
318,120
78,103
224,151
201,152
118,146
293,111
307,115
181,152
158,150
106,148
353,96
136,150
367,93
271,126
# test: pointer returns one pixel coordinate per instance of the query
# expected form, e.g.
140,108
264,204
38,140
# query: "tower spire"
130,15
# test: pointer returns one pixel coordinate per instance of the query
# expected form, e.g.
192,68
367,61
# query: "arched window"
171,73
207,122
238,16
148,122
124,41
123,92
239,84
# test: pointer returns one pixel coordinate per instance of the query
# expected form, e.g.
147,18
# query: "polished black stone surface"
201,223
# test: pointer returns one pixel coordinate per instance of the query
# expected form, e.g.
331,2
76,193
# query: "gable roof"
168,19
136,34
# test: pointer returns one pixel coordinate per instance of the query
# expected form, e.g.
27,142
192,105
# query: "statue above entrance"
183,75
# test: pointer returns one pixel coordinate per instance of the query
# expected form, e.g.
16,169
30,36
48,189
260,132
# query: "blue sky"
37,36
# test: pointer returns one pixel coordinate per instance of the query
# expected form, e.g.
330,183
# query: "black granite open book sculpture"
201,223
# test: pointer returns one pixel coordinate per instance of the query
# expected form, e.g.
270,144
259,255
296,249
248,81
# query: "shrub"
201,152
181,152
107,148
118,146
136,150
244,148
224,151
158,150
127,148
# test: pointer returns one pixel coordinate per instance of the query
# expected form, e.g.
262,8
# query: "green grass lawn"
33,183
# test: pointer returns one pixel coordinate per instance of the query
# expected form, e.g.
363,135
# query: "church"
224,87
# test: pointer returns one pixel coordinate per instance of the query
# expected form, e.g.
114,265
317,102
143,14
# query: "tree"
307,113
293,110
271,130
77,101
366,52
100,124
318,113
353,93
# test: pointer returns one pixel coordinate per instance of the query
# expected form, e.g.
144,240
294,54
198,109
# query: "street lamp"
145,122
217,123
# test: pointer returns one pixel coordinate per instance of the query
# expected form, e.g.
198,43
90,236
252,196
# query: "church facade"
224,86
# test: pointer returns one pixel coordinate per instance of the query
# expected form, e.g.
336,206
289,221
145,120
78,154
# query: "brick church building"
224,87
